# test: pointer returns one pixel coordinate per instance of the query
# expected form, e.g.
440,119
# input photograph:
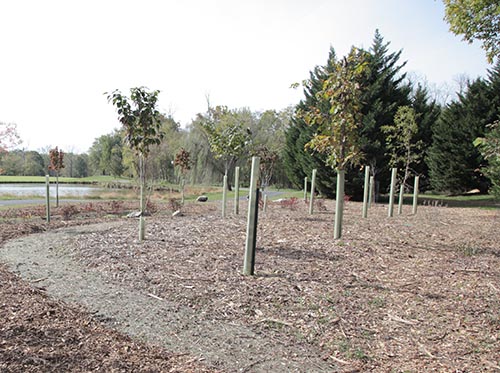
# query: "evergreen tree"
298,162
385,91
427,113
453,159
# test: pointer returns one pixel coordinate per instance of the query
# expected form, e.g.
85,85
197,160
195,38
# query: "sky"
59,57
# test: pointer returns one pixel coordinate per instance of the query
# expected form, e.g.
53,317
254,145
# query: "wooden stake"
401,196
415,195
57,188
265,203
224,196
142,202
391,193
142,228
253,210
236,190
366,191
305,189
313,187
47,197
370,196
339,204
183,183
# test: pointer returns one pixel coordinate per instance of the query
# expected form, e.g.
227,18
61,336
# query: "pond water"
65,190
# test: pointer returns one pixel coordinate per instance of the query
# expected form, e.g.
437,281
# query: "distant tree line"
20,162
397,117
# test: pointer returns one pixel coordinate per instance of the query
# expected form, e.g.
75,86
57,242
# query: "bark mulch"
411,293
41,334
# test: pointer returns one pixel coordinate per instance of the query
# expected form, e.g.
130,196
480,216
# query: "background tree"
476,20
453,160
490,149
9,138
298,162
384,91
337,135
227,135
81,165
268,138
268,160
56,157
33,164
142,129
427,112
106,154
12,163
160,162
404,151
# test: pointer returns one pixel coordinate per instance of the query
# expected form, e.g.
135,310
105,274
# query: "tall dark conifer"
453,160
385,91
427,113
298,162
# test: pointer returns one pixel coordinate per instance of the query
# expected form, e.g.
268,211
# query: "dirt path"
47,260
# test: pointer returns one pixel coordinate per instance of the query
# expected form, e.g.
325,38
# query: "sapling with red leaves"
56,158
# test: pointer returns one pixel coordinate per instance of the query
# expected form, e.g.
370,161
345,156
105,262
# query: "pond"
38,190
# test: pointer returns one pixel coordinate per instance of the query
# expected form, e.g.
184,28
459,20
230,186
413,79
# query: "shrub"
68,211
174,204
151,207
290,203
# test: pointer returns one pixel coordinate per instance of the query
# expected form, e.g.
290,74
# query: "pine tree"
298,162
453,159
427,113
385,91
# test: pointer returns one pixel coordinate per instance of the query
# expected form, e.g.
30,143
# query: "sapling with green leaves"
489,146
337,134
403,150
226,135
142,128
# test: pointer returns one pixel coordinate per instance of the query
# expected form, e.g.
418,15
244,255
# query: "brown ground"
403,294
40,334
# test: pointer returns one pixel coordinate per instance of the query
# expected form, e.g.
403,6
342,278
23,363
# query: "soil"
408,293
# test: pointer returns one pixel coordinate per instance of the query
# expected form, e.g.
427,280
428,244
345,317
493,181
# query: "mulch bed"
40,334
408,293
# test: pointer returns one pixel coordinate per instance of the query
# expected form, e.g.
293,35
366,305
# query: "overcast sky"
59,57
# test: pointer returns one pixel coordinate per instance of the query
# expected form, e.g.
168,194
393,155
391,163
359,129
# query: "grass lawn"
476,200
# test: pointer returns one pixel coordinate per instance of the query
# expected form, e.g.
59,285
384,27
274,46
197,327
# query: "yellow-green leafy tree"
338,128
476,20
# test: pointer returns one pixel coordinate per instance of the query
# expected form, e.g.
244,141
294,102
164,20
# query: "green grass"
474,197
217,195
476,200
